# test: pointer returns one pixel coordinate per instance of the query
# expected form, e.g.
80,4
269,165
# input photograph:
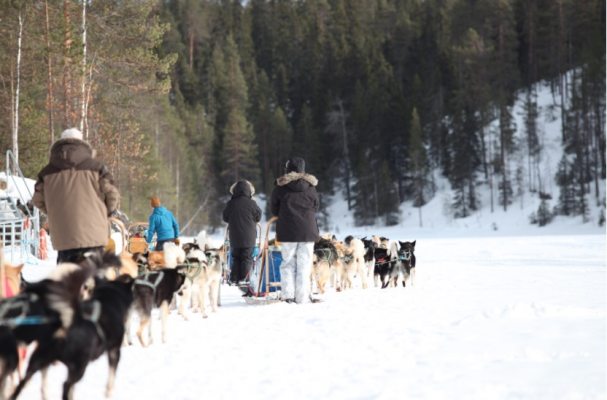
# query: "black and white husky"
97,327
406,262
42,311
152,290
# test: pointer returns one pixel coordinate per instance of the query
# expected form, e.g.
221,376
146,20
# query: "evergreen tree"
418,163
565,179
544,215
238,150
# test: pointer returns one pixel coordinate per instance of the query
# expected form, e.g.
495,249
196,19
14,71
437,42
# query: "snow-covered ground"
489,318
501,310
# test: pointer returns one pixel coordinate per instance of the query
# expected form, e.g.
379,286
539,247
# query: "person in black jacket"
242,215
295,202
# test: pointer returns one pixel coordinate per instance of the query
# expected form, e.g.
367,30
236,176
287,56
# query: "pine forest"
181,98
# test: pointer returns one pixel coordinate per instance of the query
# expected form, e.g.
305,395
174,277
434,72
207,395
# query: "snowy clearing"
489,318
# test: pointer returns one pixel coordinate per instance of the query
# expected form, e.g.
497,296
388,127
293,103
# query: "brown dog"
12,279
156,260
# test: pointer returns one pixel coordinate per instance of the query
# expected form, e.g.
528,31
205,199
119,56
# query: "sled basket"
136,241
273,274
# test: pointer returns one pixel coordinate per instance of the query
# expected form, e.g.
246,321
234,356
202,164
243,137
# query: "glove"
176,240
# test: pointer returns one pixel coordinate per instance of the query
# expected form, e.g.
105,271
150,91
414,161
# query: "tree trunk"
561,74
49,84
483,146
600,144
177,188
420,194
67,45
83,75
17,92
345,152
503,157
191,50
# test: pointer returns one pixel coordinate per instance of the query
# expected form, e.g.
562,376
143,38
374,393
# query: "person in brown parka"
78,195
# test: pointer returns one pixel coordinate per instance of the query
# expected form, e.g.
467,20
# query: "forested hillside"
181,98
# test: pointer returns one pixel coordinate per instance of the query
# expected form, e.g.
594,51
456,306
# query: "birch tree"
15,144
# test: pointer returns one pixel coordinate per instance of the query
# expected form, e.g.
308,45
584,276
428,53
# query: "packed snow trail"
489,318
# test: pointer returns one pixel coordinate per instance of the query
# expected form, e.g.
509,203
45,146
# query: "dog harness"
348,258
382,260
21,304
404,255
94,318
145,282
194,268
324,255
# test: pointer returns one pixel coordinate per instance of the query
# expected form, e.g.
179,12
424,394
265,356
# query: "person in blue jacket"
163,224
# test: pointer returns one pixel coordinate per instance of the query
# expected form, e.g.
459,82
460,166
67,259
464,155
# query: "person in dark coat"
242,215
295,202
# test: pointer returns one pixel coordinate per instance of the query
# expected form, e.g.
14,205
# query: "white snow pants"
295,271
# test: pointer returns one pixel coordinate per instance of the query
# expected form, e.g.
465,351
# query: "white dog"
173,255
208,281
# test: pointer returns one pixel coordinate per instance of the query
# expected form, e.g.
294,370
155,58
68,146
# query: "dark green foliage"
543,216
376,96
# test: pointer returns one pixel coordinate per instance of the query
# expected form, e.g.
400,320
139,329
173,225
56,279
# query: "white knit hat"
71,133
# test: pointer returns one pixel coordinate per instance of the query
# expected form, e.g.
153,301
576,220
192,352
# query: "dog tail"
393,249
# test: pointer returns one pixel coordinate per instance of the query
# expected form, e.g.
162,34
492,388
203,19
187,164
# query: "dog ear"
414,243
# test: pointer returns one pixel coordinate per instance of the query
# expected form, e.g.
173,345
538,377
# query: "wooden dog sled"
266,274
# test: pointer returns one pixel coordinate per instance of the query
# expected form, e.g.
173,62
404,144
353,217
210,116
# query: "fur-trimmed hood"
295,202
295,176
67,153
242,188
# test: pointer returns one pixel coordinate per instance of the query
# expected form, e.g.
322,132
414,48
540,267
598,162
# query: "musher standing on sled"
242,215
295,203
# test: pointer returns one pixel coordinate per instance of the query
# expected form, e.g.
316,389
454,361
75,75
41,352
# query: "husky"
326,265
369,257
385,266
155,289
171,256
357,249
208,281
42,311
406,261
97,327
203,271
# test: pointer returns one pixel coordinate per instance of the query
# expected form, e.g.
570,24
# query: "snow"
21,188
489,317
501,309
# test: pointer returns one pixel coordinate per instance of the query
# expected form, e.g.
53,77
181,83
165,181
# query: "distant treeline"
185,97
